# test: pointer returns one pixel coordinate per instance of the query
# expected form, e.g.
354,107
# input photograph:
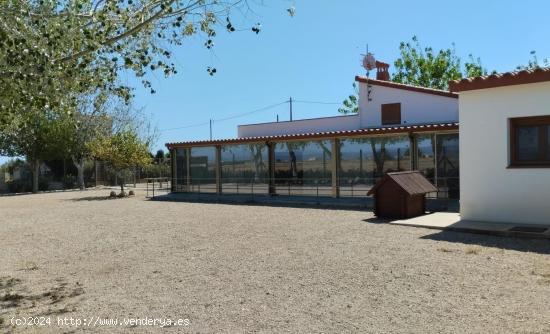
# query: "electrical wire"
226,118
248,113
315,102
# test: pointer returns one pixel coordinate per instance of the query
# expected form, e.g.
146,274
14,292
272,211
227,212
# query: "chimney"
382,71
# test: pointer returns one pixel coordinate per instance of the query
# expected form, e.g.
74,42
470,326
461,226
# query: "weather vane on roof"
369,63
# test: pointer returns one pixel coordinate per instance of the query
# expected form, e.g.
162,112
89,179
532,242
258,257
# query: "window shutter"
391,113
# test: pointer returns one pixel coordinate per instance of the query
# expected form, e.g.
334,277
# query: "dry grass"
250,269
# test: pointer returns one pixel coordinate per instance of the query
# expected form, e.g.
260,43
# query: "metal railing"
160,185
321,187
359,187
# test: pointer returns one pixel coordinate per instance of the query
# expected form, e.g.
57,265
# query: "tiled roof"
406,87
320,135
501,79
412,182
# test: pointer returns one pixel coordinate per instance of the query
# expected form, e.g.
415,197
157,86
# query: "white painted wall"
489,191
416,107
337,123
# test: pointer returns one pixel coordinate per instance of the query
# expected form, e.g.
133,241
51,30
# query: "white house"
381,103
398,128
505,147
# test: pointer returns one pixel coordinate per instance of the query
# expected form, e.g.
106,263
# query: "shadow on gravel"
540,246
302,202
375,220
59,298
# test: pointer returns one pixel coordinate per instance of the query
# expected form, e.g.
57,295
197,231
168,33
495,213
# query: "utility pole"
210,129
290,108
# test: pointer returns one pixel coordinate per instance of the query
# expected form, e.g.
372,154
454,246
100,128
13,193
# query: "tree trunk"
79,164
35,166
121,185
379,157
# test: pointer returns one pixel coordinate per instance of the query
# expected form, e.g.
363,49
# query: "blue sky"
316,54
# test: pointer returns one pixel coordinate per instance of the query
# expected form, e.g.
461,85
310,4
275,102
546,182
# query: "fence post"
335,167
188,168
271,190
219,169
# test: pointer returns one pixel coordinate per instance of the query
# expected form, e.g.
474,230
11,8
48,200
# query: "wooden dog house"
401,195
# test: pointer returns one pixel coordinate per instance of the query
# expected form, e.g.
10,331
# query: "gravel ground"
258,269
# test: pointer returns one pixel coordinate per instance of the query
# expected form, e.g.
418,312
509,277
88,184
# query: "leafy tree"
35,135
474,68
350,104
122,151
534,62
159,157
52,51
422,66
90,120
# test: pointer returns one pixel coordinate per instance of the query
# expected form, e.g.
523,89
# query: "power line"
209,122
315,102
185,127
251,112
226,118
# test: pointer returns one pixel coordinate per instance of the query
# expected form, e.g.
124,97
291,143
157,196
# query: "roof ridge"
322,134
518,77
501,74
398,85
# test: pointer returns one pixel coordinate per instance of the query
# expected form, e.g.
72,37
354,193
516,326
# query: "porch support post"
413,150
188,168
335,167
219,169
271,168
174,170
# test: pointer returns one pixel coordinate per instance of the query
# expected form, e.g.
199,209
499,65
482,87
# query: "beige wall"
489,191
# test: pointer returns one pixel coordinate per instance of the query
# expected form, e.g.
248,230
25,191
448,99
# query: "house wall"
489,191
416,107
337,123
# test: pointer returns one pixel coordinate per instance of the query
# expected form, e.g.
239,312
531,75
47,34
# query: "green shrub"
43,184
69,182
19,186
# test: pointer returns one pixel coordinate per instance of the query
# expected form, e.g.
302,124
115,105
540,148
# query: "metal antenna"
211,129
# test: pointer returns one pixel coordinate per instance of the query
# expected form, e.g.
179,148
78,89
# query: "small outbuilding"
401,195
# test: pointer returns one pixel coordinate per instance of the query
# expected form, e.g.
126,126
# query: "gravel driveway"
257,269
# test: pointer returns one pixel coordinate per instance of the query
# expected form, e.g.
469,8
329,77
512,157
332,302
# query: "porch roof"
322,135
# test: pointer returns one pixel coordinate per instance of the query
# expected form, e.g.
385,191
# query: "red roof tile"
412,182
406,87
501,79
321,135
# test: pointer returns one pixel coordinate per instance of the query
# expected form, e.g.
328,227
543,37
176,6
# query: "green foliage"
33,134
122,151
24,185
159,157
422,66
534,62
52,52
351,104
473,67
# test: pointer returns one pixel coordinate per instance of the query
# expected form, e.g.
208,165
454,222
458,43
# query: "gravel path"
258,269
